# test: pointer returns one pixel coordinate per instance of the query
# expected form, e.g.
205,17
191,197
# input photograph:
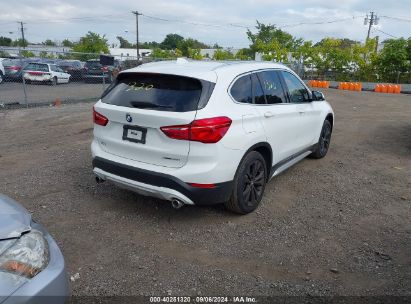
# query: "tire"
323,142
251,174
54,81
1,78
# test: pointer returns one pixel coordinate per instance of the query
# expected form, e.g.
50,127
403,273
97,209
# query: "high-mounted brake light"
207,130
99,119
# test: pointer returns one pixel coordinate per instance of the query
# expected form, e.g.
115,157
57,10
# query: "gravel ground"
336,226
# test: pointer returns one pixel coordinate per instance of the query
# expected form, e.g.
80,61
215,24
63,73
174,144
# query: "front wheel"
249,184
54,81
323,142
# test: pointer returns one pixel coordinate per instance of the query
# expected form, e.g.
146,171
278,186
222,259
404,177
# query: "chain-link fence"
48,77
30,78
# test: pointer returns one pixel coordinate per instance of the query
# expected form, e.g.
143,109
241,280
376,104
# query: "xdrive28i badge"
129,118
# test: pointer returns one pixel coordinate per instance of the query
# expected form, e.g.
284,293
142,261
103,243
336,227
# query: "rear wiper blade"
142,104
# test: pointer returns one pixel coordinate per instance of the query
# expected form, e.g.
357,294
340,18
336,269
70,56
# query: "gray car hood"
14,218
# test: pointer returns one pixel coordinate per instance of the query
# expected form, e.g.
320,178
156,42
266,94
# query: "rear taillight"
14,68
104,68
207,130
99,119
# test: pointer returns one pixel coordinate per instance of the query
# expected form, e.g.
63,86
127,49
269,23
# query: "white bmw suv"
207,132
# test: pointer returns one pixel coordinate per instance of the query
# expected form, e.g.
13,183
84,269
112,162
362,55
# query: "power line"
397,18
392,36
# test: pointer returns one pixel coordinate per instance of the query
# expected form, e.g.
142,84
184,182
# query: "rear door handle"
268,114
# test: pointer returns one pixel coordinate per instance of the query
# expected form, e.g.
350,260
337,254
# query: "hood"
14,218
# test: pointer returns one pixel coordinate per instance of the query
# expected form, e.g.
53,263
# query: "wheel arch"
266,151
330,118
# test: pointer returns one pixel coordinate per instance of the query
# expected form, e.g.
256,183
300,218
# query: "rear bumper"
160,185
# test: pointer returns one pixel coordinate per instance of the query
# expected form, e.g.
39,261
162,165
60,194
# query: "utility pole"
137,44
22,33
372,20
21,63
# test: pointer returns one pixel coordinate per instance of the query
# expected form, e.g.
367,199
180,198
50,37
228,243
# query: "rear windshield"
93,64
69,63
158,92
37,67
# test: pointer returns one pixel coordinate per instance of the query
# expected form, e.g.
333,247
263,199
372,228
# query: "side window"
53,68
241,90
297,91
272,88
257,90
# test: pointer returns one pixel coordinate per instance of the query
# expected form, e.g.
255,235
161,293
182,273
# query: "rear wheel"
323,142
249,184
1,78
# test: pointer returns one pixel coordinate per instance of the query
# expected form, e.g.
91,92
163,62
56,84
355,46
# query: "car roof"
206,70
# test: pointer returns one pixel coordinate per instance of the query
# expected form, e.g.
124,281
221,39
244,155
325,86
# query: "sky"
216,21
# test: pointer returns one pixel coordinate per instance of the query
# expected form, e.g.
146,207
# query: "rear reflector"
204,186
207,130
99,119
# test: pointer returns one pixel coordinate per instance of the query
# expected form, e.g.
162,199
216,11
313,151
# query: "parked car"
207,132
95,71
2,71
45,72
72,67
13,69
32,268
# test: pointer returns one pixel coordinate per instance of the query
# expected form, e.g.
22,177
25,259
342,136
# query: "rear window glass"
93,64
37,67
69,63
155,92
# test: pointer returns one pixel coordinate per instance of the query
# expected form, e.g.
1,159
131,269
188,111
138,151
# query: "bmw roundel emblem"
129,118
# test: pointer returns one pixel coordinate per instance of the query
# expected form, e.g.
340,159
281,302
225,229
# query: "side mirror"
317,95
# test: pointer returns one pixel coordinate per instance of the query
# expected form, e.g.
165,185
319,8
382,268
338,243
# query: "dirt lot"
336,226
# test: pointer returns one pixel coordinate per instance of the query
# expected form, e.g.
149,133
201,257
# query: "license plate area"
134,134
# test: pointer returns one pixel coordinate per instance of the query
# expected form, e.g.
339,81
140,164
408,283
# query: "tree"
269,34
393,59
171,41
194,54
244,54
162,54
27,54
67,43
44,54
20,42
5,41
91,43
221,54
49,42
124,43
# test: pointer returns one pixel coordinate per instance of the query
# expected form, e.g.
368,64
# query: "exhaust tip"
177,204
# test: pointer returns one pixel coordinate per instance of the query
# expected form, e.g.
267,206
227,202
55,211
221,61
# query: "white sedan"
45,72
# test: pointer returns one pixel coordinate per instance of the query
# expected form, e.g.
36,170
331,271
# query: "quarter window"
297,91
241,90
272,88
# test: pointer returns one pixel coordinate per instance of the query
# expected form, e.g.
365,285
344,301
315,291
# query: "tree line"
330,58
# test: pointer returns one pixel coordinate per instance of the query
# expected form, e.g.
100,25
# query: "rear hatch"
37,71
94,68
137,105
